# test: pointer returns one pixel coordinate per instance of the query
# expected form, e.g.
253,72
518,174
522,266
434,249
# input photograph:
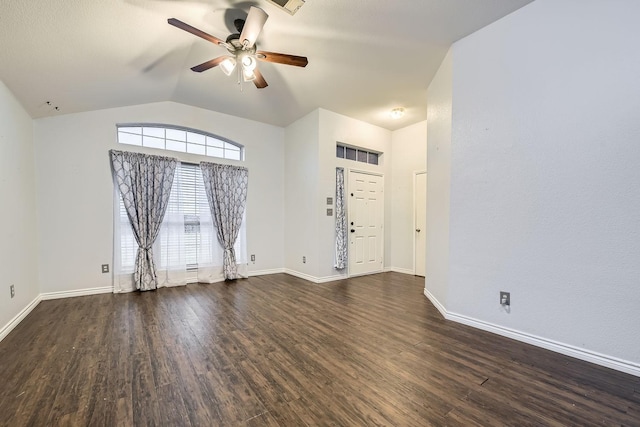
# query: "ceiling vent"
290,6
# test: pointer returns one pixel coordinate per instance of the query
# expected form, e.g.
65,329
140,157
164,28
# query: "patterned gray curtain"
341,222
145,184
226,188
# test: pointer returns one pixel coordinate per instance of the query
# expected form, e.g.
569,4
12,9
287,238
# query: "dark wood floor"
276,350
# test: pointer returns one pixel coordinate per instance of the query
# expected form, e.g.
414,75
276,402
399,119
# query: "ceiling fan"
242,49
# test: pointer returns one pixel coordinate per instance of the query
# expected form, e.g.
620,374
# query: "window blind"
187,211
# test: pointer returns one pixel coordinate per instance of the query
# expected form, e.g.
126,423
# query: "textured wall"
301,195
75,189
438,181
409,155
337,127
545,177
18,261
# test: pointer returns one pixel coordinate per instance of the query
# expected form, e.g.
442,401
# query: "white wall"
310,151
301,189
75,190
337,127
545,175
18,233
409,155
439,118
74,187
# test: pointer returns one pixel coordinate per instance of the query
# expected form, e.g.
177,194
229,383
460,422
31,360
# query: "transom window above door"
181,139
357,154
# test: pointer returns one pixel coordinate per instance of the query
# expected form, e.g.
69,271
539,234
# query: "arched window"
178,138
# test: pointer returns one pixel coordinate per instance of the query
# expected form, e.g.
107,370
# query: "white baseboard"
315,279
336,277
266,272
6,329
436,303
76,293
333,278
300,275
558,347
369,273
399,270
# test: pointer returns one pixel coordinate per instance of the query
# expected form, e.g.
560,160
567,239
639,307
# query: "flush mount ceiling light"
396,113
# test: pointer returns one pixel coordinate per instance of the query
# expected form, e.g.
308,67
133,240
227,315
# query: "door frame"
415,205
348,191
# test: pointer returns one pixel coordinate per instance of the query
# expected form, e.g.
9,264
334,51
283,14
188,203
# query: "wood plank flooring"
279,351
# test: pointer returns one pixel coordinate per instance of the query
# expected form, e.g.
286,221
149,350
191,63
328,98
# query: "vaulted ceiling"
365,56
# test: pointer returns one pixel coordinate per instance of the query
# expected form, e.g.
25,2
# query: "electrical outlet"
253,258
12,288
505,298
105,268
304,259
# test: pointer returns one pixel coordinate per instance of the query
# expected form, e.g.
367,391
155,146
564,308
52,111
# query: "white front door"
420,202
365,223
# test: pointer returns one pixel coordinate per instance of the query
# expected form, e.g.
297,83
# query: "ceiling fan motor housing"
235,47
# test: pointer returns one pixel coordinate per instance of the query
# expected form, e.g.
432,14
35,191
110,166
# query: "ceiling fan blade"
253,25
196,32
282,58
209,64
259,81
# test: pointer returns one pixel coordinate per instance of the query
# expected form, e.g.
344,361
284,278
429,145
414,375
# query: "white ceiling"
365,56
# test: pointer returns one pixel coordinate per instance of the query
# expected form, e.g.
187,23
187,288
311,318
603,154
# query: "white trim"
415,181
266,272
555,346
333,278
368,273
408,271
6,329
315,279
436,303
300,275
76,293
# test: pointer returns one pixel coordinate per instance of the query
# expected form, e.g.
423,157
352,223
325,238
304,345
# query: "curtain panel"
226,188
144,182
341,222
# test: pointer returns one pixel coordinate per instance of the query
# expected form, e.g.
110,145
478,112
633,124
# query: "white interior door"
420,241
365,223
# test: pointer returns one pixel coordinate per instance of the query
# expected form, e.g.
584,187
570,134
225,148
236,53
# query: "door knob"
418,230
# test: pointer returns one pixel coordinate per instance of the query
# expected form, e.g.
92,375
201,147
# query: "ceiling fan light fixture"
228,65
248,75
249,63
397,113
242,55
